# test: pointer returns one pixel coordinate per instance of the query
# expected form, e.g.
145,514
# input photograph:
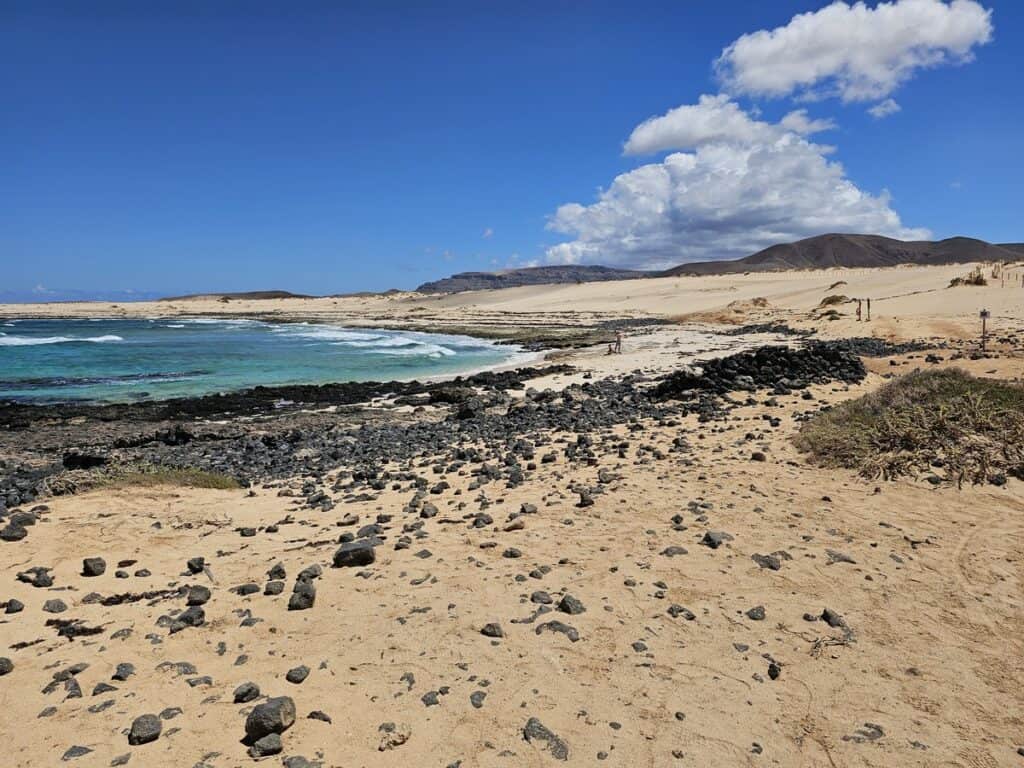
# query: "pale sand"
906,301
934,598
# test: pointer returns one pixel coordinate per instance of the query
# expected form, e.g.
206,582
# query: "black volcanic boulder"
12,532
93,566
272,716
145,728
355,553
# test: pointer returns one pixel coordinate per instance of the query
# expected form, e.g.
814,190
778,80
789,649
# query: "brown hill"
511,278
840,250
249,295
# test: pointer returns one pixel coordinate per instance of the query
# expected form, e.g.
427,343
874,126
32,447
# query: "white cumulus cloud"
884,109
856,52
711,119
714,120
739,189
797,121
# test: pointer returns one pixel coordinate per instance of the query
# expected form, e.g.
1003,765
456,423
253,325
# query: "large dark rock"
272,716
94,566
145,728
302,597
355,553
266,746
246,692
13,532
536,731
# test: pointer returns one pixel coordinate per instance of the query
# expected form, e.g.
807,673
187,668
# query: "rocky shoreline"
270,433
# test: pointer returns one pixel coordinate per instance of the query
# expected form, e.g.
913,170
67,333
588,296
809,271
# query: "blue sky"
333,147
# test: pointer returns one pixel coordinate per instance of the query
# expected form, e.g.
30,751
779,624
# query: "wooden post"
984,330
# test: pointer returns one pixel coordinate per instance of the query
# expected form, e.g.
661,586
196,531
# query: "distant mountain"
511,278
837,250
821,252
248,295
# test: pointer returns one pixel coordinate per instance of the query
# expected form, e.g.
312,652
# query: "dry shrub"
975,277
971,428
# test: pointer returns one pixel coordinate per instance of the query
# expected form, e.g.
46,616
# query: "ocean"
123,360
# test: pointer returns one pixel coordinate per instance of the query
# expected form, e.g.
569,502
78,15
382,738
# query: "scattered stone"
54,606
354,554
535,731
572,606
266,746
123,672
492,630
675,611
557,626
303,596
771,562
272,716
14,606
246,692
832,618
93,566
145,728
715,539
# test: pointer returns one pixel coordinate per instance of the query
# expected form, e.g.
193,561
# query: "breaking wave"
34,341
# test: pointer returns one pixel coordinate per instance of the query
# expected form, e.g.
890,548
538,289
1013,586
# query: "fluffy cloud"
714,120
734,183
746,184
853,51
797,121
884,109
711,119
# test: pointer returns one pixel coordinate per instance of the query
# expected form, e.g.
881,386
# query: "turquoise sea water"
122,360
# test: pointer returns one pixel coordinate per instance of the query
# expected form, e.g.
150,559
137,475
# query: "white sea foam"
422,350
325,333
235,322
34,341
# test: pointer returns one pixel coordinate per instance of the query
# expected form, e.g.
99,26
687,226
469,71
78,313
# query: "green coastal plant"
970,429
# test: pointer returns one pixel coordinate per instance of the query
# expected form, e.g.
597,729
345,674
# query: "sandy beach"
561,570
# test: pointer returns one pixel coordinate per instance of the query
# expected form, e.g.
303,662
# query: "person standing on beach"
618,342
858,310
